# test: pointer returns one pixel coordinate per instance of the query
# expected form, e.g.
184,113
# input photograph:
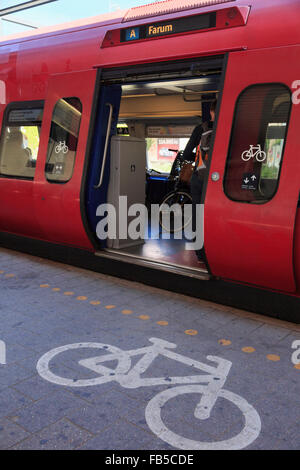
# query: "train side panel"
63,65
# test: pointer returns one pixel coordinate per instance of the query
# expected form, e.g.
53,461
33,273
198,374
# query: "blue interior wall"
95,197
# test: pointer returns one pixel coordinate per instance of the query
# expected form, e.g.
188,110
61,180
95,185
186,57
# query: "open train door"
253,188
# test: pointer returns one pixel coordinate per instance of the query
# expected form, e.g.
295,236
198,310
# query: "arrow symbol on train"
246,181
253,178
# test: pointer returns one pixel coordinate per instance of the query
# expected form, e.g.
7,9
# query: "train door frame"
55,199
253,243
171,70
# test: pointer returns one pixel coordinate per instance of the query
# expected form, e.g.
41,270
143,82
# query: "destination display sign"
167,28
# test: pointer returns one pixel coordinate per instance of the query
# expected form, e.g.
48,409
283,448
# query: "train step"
200,272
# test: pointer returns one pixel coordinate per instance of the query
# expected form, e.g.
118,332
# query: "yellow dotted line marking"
224,342
248,350
191,332
9,275
2,272
127,312
273,357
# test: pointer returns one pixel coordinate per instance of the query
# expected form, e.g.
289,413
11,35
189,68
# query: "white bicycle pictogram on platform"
254,151
209,386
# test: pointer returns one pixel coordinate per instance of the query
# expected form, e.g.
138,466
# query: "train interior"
155,121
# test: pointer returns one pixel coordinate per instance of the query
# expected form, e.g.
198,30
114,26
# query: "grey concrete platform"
46,305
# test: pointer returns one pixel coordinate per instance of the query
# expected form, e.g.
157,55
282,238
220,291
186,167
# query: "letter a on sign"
132,34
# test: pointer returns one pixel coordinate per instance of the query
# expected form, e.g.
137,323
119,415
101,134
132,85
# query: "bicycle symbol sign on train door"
255,151
61,147
207,386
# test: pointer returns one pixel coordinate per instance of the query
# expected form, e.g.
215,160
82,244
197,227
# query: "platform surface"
76,398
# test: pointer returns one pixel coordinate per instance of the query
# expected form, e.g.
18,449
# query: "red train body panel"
250,244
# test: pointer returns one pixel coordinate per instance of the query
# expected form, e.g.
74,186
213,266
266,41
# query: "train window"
161,153
163,143
257,143
63,140
20,139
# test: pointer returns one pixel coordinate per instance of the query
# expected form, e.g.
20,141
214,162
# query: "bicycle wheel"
108,374
172,215
261,156
249,433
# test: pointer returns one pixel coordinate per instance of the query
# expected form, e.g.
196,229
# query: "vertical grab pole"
111,108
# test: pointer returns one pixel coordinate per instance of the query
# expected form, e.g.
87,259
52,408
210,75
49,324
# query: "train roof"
268,13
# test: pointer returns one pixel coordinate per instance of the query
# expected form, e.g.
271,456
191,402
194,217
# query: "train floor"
166,251
164,247
89,361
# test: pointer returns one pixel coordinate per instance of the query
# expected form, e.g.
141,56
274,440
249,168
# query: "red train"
66,92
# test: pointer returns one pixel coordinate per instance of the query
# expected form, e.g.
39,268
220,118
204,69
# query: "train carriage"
88,106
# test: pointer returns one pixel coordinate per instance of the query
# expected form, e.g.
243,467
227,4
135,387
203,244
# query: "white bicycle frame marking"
260,155
61,147
211,387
